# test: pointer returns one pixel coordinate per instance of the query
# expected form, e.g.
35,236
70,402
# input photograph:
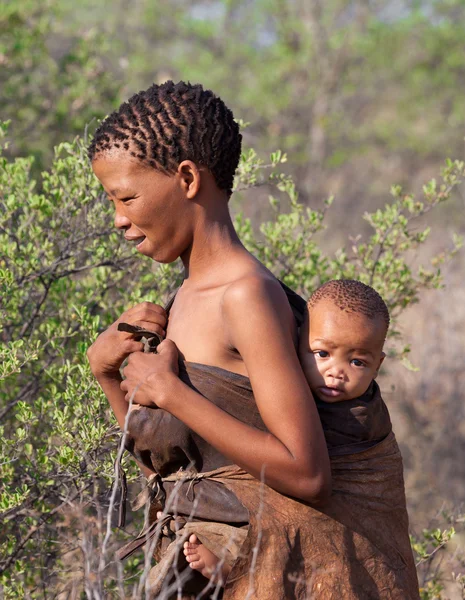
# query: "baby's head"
341,342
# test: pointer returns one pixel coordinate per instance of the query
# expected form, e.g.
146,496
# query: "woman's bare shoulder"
257,295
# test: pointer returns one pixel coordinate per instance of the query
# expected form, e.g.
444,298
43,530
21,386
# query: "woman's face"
151,208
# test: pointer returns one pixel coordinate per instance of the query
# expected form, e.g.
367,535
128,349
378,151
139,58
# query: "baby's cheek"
310,368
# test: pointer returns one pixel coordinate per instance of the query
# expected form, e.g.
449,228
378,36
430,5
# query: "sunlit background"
360,95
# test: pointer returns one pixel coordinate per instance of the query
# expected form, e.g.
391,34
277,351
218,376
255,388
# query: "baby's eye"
357,362
322,353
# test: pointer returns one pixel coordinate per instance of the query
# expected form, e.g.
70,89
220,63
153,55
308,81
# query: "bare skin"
340,352
201,559
230,312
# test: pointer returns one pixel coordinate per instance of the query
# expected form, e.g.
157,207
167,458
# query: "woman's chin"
161,257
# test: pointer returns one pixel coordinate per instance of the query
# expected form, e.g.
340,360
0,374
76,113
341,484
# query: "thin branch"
36,528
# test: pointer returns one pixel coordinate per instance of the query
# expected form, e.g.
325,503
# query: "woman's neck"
214,243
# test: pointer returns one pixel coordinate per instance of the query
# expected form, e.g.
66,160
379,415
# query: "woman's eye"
357,363
322,353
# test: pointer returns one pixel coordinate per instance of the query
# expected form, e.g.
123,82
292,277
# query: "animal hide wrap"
356,547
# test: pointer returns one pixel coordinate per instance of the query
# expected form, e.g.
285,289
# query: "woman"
166,160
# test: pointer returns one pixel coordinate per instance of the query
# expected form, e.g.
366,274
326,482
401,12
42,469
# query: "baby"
341,344
341,351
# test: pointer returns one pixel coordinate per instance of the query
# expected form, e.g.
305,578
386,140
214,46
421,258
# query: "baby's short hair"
351,295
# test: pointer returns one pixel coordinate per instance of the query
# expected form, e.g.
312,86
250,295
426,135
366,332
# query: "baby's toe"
198,565
193,558
189,546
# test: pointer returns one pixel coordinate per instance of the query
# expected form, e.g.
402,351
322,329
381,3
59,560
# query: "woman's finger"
156,327
148,310
130,346
167,347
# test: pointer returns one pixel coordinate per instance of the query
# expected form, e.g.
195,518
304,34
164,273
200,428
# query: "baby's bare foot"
202,560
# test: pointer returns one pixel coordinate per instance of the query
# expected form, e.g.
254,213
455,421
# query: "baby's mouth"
330,391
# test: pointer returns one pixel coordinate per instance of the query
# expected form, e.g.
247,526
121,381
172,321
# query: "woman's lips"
135,240
331,392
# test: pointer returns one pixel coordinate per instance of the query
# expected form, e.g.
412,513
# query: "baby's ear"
383,356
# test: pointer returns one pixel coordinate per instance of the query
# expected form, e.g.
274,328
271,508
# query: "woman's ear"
383,356
189,175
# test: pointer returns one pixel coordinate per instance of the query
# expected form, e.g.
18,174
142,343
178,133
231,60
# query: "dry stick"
35,528
219,584
151,544
101,566
91,594
147,557
120,572
256,548
180,578
143,582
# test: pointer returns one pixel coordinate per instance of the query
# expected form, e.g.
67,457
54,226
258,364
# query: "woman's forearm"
304,476
111,389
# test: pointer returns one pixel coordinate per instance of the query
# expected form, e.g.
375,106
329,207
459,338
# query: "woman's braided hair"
169,123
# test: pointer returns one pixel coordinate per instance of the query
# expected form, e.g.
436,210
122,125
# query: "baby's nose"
336,372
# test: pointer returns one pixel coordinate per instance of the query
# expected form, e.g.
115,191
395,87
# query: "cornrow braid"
169,123
354,296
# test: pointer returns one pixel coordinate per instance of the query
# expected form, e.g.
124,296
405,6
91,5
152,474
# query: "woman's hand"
111,347
147,376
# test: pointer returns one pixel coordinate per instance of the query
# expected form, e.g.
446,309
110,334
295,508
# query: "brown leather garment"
356,547
164,444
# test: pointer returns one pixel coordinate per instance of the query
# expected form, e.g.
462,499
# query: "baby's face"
340,352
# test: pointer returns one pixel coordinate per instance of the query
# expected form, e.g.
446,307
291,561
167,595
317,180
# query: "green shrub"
66,274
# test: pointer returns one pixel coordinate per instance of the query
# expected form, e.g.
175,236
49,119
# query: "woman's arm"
116,397
112,347
259,323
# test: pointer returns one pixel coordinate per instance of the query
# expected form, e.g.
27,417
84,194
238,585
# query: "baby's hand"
112,346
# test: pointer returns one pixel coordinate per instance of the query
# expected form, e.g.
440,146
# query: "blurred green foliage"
343,86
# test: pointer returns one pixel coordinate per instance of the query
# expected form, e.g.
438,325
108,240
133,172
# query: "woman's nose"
121,221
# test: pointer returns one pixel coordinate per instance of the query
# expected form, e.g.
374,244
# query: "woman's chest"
196,325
